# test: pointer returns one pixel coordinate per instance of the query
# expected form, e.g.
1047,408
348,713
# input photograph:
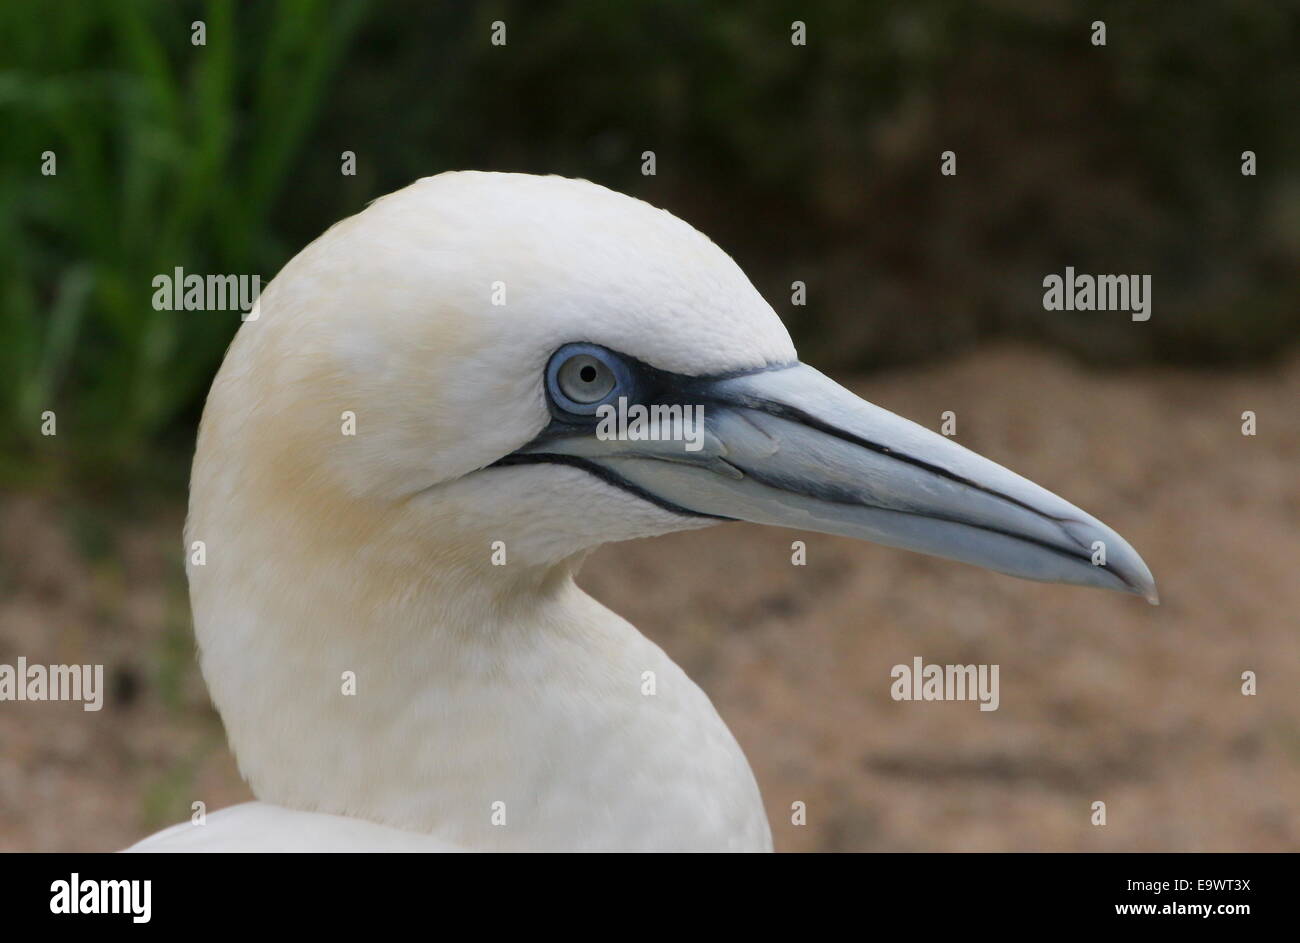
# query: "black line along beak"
788,446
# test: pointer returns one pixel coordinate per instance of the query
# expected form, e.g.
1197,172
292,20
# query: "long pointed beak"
790,447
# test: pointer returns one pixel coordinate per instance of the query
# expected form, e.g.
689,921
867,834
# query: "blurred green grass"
817,164
167,154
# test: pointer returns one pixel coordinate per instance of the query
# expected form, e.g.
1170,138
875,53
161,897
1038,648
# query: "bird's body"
262,827
387,617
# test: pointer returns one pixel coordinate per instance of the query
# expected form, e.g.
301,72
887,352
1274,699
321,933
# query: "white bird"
398,473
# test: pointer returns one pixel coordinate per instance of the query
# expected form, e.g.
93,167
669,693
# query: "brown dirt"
1103,697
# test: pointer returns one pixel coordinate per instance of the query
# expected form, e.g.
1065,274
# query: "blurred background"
816,163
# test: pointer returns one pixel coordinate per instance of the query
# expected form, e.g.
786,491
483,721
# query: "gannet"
470,327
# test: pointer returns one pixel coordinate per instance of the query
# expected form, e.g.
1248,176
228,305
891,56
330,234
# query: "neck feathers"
362,670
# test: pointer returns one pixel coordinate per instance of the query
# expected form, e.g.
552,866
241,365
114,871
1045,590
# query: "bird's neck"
495,710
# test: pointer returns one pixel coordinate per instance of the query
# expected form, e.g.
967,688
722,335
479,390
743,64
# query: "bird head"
494,339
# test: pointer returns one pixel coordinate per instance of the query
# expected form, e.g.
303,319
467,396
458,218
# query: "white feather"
371,554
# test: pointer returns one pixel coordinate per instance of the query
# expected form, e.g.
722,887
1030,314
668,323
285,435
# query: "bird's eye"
584,379
581,376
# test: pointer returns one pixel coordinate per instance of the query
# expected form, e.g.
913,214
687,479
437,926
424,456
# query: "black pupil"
587,373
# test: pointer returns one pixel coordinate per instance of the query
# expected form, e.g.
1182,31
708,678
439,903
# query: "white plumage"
496,705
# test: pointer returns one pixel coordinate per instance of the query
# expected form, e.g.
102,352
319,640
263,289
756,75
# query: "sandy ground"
1103,698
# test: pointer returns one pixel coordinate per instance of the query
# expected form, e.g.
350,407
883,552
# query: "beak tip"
1125,564
1140,581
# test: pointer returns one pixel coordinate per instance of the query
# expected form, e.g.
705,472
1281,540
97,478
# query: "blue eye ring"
582,377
